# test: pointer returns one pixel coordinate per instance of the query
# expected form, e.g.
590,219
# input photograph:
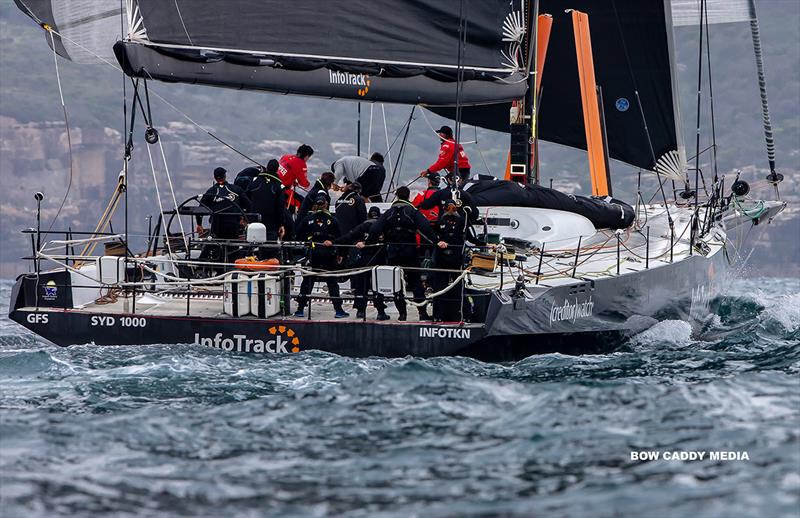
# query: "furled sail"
632,46
372,50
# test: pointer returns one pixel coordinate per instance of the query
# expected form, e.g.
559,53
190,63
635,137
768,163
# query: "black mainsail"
372,50
632,47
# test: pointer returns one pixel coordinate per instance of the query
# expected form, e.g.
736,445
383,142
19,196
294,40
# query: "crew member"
453,230
444,196
369,173
228,205
268,199
350,208
399,226
321,186
293,171
431,215
361,258
319,229
447,152
246,176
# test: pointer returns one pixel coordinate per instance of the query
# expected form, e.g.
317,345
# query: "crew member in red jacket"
431,215
446,156
293,170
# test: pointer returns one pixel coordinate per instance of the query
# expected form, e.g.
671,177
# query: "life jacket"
452,228
430,214
319,231
400,225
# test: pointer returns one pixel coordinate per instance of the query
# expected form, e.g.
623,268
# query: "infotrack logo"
283,340
361,81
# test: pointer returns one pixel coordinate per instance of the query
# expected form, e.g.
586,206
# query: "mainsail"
407,51
371,50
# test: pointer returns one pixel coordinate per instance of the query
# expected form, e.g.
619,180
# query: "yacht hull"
584,317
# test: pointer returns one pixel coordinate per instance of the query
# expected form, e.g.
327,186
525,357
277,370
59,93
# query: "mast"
532,97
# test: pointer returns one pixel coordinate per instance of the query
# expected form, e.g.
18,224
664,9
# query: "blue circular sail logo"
622,104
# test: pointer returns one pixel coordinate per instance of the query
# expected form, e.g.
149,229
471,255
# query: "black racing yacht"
565,273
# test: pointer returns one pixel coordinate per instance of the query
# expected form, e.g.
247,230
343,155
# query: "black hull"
591,317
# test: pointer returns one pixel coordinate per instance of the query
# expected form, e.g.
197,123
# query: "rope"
756,210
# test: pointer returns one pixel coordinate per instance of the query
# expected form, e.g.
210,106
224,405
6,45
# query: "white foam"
784,310
675,332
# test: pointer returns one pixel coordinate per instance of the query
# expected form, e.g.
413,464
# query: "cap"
446,130
433,177
321,198
272,166
374,212
219,173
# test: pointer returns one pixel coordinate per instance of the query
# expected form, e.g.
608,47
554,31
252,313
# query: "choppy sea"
176,430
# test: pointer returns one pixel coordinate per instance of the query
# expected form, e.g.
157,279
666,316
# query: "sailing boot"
382,315
400,304
423,314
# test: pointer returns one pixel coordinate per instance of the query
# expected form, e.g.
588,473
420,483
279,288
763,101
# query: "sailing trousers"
413,282
447,307
362,283
322,263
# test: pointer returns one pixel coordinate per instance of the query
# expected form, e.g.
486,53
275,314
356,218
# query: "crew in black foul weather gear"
363,256
350,208
399,226
320,229
246,176
444,196
322,185
453,230
228,204
268,199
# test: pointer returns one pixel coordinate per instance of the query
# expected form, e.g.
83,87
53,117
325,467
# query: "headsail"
90,28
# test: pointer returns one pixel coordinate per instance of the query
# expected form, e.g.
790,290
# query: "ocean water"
175,430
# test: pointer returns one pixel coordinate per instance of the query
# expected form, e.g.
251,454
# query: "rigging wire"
156,94
711,103
66,127
401,154
369,135
386,134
